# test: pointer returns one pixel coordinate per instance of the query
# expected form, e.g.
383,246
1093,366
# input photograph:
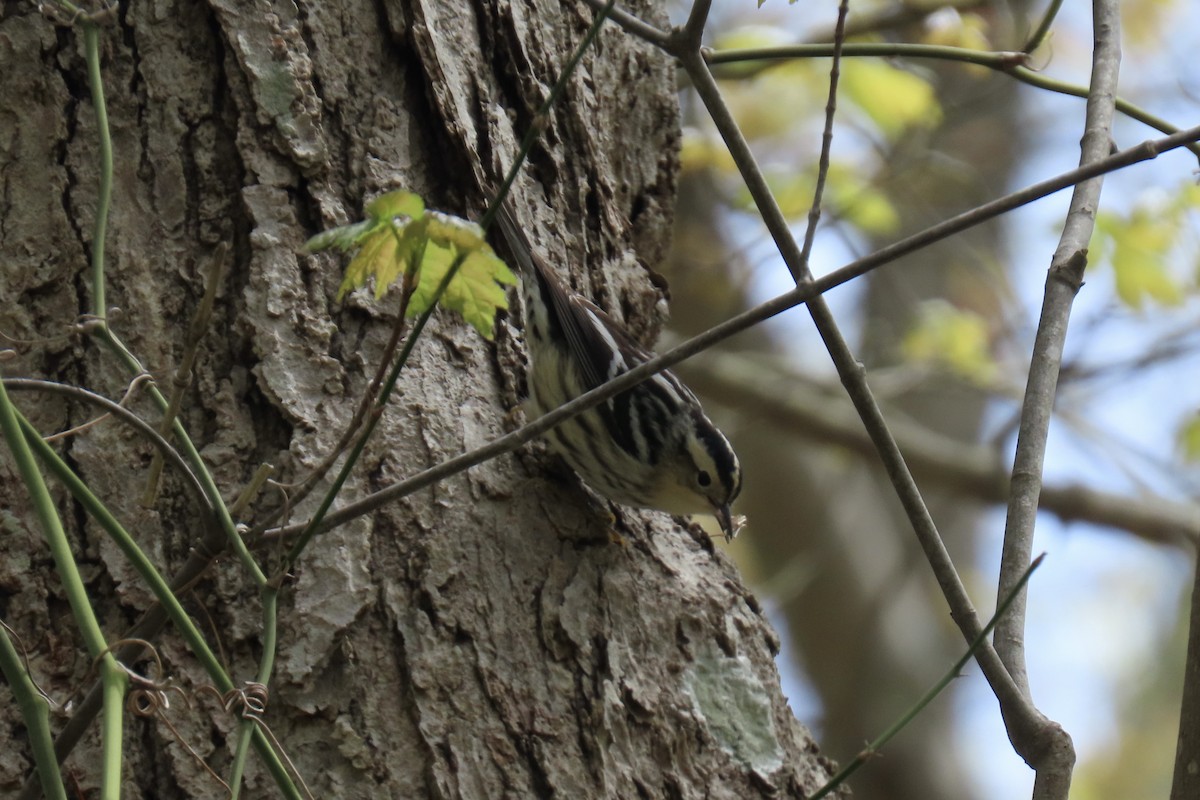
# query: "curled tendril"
130,393
151,698
248,702
20,644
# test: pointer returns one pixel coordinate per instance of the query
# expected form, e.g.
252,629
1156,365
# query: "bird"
651,446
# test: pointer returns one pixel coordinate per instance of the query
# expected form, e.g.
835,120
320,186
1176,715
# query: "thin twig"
1043,29
88,625
91,41
83,427
304,487
1062,282
835,70
866,22
251,489
35,707
182,378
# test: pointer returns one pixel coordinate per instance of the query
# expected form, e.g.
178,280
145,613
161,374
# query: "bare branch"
1062,283
689,35
1053,755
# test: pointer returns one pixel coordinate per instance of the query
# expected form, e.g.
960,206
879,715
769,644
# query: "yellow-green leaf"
1138,281
393,208
871,211
700,153
476,291
344,238
450,230
793,192
1146,23
859,202
1138,248
400,237
752,37
894,99
954,338
969,31
396,204
847,196
375,258
1189,438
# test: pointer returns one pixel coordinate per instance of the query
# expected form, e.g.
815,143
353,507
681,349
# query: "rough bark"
484,638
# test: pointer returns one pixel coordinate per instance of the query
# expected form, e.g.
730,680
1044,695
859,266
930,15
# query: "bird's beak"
726,520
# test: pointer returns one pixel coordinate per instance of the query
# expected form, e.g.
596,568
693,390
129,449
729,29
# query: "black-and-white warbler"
649,447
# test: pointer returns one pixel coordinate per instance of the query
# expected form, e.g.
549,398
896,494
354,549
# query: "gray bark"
481,639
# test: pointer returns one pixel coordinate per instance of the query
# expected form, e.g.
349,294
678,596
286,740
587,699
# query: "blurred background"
946,337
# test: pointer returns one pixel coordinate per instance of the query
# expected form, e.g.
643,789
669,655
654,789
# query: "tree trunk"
483,638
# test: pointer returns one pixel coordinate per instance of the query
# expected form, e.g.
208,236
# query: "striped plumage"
649,447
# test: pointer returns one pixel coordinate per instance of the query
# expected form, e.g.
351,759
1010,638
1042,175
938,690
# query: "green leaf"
396,204
966,30
382,212
476,291
345,238
954,338
400,237
894,99
848,196
870,210
747,37
857,201
1139,248
793,192
700,153
771,104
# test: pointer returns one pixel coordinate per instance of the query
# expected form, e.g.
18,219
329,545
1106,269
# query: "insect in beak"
726,521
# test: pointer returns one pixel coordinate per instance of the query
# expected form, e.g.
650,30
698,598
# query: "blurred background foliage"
945,335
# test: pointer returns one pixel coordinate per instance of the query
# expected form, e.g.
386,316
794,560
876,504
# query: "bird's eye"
703,478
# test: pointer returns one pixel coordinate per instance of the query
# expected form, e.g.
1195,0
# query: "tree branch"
1062,283
1054,755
